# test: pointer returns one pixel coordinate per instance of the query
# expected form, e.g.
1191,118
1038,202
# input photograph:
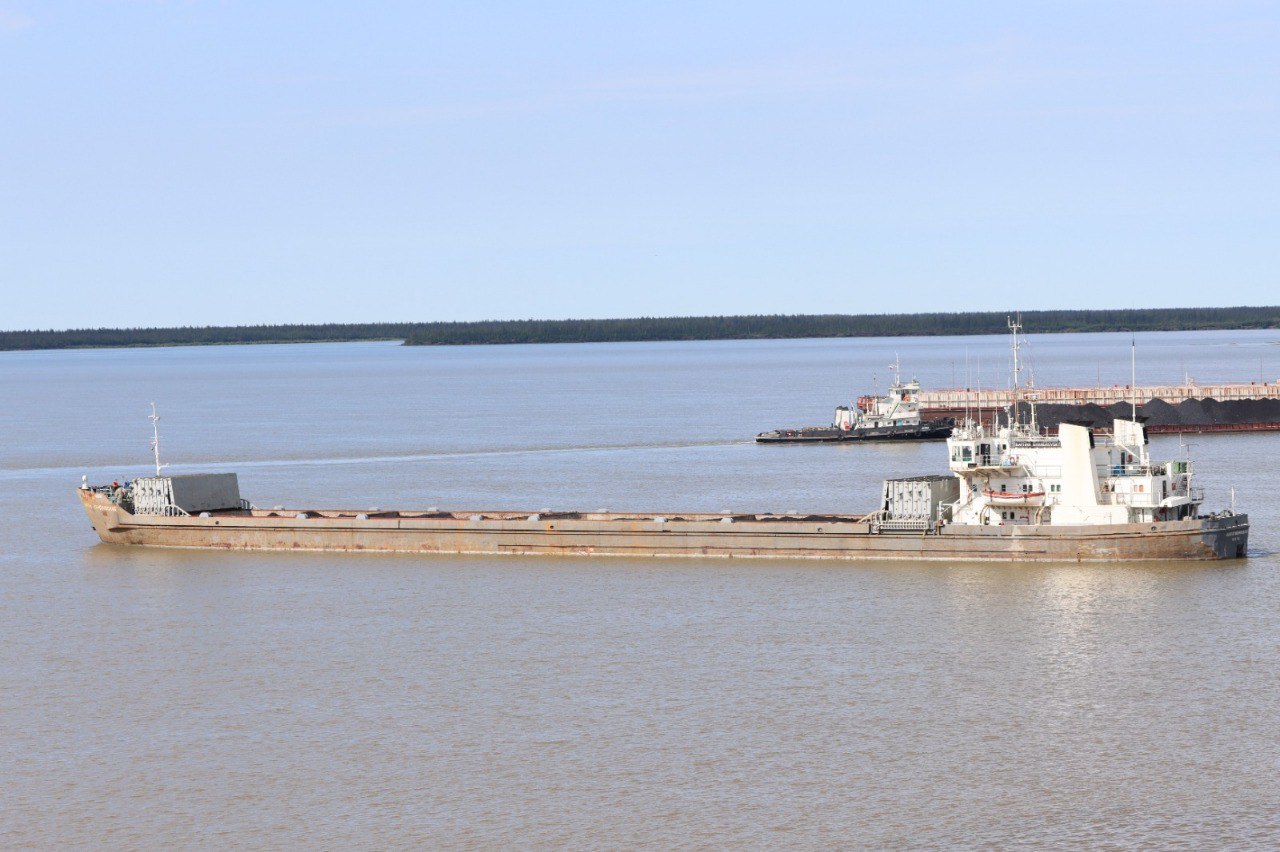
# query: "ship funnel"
1130,433
1079,476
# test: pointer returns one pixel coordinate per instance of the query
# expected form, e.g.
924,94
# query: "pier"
1184,408
961,398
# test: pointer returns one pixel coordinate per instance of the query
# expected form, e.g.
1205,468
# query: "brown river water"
153,698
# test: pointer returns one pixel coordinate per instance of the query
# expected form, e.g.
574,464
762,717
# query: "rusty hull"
646,535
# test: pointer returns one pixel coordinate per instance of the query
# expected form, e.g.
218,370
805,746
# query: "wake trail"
440,455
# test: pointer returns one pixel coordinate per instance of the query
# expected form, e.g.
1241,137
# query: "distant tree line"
658,328
86,338
836,325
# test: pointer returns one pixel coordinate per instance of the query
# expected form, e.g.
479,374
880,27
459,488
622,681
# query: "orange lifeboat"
1014,498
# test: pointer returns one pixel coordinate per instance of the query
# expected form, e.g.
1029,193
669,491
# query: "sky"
226,162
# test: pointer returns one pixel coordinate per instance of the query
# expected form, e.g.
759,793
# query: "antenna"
155,438
968,388
978,385
1033,395
1015,325
1133,378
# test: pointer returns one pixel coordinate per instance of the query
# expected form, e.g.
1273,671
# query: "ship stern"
1227,535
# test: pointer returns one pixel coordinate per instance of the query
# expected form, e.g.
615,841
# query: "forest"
756,327
838,325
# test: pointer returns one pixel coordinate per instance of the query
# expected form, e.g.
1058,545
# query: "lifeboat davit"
1014,498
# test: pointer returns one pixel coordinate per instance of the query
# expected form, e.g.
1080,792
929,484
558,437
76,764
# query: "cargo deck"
819,536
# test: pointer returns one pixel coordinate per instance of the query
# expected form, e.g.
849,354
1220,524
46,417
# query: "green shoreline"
653,329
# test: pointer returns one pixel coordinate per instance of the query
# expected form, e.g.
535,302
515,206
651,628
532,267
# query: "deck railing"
961,398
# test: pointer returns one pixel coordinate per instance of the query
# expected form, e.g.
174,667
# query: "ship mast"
968,389
1015,325
1143,451
155,438
1133,379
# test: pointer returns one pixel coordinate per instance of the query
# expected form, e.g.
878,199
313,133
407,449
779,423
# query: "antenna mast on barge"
155,438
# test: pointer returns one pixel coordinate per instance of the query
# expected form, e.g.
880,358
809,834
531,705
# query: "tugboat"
892,417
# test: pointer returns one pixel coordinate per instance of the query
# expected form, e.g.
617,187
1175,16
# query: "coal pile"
1190,412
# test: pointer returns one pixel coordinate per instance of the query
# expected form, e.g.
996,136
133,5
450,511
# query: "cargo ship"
1012,493
895,416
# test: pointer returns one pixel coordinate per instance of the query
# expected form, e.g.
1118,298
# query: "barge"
873,536
1012,494
1188,408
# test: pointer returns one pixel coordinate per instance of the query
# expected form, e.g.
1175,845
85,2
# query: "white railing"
1109,470
1043,472
1099,396
1141,499
1150,500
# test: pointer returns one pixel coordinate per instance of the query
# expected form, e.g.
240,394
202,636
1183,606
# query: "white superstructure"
1015,474
900,406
